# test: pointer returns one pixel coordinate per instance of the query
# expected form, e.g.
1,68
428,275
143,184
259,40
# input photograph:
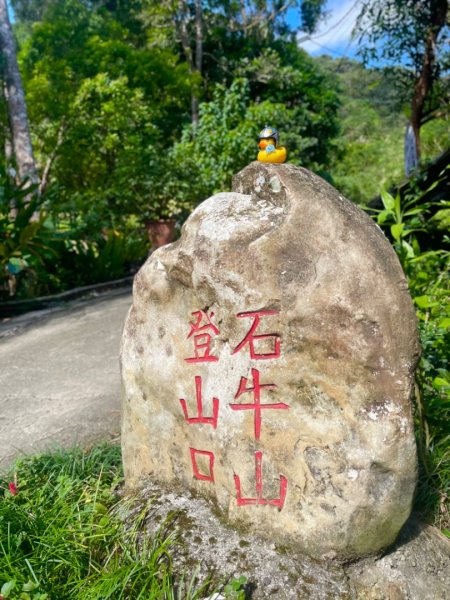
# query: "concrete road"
60,377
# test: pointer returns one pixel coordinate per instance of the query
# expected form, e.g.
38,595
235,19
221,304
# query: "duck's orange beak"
265,142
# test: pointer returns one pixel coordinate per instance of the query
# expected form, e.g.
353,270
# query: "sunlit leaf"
397,230
425,302
388,200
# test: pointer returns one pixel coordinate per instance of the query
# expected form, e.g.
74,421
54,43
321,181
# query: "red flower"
12,488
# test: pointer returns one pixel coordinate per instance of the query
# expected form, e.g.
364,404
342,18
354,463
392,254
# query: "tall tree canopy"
113,86
416,34
212,35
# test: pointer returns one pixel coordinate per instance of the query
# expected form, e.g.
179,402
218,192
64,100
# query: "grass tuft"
63,534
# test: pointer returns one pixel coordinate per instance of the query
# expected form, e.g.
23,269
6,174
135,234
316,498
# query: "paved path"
59,376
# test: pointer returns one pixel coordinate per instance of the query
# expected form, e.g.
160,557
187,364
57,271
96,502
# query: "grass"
62,536
432,418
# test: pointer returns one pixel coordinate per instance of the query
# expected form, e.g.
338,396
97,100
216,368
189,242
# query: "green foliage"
372,118
63,534
427,272
371,153
103,108
25,239
234,589
109,139
108,95
403,25
41,256
225,139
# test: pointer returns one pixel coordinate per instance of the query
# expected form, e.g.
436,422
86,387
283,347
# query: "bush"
42,254
404,219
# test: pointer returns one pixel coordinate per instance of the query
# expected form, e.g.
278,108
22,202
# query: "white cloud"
334,32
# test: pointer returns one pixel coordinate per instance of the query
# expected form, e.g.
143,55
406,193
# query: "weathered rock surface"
268,361
417,567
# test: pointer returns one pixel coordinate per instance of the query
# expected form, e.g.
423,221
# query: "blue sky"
333,35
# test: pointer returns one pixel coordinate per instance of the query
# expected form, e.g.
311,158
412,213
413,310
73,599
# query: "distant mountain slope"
373,118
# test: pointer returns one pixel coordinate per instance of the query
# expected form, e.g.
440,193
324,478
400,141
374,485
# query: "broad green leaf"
441,382
445,323
388,200
29,586
409,249
425,302
396,230
29,232
7,588
382,216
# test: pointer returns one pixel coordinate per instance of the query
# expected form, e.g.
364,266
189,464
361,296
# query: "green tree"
100,107
213,36
415,33
225,139
110,140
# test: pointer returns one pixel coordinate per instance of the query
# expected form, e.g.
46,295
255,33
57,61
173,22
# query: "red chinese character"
250,338
202,339
278,502
200,418
256,405
197,474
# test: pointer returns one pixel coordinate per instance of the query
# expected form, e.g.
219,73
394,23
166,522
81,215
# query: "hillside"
372,118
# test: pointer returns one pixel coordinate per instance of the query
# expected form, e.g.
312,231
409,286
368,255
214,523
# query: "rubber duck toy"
268,144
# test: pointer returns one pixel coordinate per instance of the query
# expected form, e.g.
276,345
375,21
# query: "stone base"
415,568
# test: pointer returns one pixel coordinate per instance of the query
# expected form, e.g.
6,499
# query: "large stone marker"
268,362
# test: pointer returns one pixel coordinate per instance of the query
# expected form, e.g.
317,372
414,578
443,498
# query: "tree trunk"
198,55
8,151
51,159
194,59
424,82
17,110
422,88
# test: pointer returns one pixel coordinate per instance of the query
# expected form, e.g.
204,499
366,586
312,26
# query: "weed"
63,535
427,272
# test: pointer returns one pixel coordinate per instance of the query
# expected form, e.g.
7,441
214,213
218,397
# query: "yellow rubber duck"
268,142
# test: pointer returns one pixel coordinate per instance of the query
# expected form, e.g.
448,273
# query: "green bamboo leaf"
413,211
445,323
397,206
